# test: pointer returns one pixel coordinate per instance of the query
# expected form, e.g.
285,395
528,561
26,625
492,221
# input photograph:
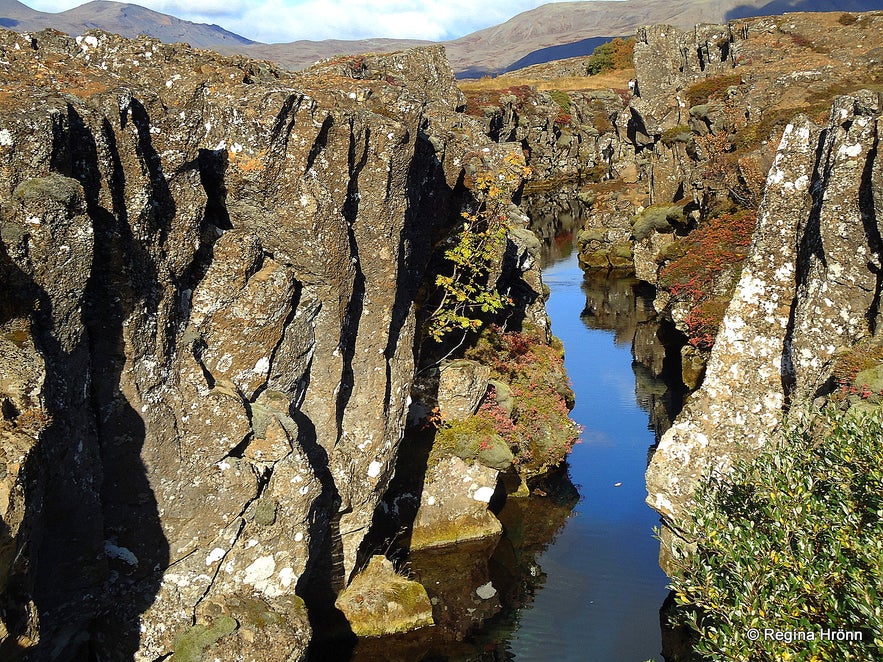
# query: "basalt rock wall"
210,273
810,291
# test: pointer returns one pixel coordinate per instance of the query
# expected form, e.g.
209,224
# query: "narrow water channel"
603,586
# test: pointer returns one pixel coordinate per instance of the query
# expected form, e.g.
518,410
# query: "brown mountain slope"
121,18
493,49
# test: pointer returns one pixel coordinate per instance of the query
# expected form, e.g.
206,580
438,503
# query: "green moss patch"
189,646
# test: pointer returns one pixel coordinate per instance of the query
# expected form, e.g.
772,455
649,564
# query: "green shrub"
791,541
615,54
472,251
661,218
847,19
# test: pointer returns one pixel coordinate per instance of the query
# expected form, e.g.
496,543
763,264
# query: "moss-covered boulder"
657,218
473,439
380,602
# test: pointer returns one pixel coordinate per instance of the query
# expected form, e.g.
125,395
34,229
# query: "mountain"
121,18
304,52
561,29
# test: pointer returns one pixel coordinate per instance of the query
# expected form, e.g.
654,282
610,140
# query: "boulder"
454,505
379,601
461,386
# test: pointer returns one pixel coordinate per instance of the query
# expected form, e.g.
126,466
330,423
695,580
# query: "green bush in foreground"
792,542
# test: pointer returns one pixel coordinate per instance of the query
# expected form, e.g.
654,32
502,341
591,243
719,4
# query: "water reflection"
556,216
469,627
575,572
624,305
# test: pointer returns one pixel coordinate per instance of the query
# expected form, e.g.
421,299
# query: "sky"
287,20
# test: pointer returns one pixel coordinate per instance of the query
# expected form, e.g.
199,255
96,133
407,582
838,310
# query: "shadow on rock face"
89,550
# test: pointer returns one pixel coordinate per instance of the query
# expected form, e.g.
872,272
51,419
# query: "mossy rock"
265,511
381,602
591,234
449,532
587,197
503,394
256,614
872,378
621,255
677,134
700,112
859,408
473,439
11,234
190,645
657,218
594,259
55,187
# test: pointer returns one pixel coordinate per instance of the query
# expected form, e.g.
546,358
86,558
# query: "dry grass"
609,79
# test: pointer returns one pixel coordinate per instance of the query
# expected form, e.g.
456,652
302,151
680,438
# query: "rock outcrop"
809,290
566,136
709,109
211,270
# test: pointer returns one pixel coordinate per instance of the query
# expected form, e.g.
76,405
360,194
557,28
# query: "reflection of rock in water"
624,305
554,217
616,304
530,525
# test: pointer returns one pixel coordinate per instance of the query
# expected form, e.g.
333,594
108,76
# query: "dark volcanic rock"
211,272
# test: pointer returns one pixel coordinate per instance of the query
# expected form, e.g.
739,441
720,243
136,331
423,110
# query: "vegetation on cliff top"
609,67
791,542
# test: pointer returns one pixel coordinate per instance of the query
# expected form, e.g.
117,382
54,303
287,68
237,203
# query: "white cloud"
288,20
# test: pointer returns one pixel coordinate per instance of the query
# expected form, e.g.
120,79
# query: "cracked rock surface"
209,273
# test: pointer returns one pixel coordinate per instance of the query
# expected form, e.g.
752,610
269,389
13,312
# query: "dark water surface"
603,586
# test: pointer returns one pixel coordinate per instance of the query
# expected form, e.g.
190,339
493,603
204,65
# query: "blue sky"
287,20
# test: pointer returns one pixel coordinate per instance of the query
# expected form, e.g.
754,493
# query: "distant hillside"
552,31
125,19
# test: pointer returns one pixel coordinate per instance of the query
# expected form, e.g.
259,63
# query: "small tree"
475,248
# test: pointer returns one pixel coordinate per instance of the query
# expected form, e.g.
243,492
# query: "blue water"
601,598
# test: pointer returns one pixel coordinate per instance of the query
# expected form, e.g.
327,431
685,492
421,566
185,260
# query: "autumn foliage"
703,269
